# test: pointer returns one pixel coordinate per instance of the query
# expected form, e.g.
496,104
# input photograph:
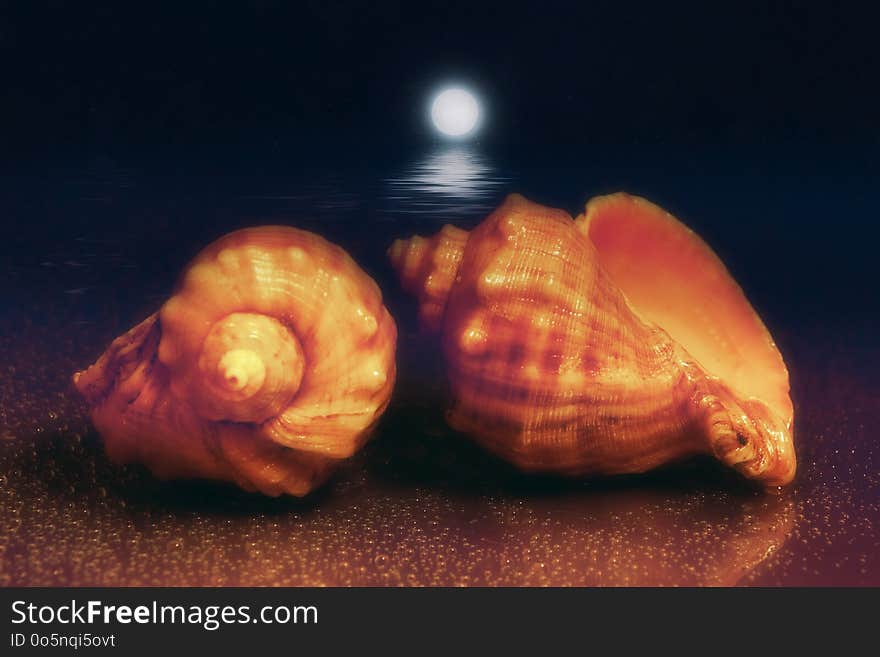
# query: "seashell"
270,363
609,344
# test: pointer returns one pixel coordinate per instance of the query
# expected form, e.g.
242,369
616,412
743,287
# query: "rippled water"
451,181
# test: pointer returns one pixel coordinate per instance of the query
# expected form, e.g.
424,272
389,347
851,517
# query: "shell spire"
427,268
607,345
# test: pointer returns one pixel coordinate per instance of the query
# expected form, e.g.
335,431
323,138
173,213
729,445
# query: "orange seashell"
610,344
269,364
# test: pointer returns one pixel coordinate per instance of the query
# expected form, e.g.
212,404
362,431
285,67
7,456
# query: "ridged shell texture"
555,369
271,362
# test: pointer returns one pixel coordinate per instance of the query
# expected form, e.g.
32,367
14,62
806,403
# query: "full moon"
455,112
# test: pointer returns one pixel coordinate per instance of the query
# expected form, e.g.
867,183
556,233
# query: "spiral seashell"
269,364
609,344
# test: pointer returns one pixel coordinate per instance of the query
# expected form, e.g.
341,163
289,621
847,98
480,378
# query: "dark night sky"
126,74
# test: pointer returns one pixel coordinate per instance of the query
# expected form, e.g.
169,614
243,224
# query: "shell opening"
672,278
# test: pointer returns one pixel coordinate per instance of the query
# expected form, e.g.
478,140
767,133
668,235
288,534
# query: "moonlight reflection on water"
452,180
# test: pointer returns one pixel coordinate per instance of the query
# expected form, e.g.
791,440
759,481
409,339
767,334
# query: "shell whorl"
263,319
250,367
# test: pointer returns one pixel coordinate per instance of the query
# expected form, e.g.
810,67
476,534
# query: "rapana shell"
271,362
609,344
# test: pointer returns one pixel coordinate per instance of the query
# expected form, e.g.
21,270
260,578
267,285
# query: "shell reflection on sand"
451,180
643,538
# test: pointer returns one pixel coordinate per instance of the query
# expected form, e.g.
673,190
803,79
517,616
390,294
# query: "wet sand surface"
420,505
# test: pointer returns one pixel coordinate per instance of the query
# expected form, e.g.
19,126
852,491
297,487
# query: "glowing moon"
455,112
